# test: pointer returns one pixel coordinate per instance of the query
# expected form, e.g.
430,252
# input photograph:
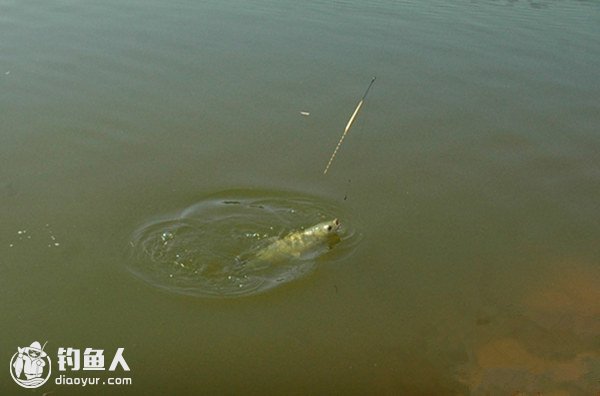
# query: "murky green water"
472,176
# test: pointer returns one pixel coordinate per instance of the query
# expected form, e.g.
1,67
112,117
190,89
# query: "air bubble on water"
21,232
52,237
166,237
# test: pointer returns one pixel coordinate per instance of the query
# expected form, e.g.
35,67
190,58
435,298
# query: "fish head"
327,228
322,234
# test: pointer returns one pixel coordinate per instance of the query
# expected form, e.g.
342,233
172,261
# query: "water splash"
205,249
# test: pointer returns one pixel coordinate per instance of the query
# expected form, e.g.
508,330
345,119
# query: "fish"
18,364
301,244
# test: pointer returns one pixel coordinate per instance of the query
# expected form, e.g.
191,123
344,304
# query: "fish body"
297,244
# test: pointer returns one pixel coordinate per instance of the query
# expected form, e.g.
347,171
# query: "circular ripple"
197,252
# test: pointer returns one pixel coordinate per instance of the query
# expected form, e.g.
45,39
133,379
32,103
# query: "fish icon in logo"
30,366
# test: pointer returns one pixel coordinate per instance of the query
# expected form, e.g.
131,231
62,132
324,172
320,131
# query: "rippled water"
212,248
471,175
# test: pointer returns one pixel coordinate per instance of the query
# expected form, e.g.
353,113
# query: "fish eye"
328,228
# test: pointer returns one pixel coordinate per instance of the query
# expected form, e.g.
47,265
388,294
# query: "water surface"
472,174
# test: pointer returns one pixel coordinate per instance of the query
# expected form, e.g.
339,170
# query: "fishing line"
348,125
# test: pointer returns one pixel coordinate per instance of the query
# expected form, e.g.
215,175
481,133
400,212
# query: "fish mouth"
336,223
332,226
